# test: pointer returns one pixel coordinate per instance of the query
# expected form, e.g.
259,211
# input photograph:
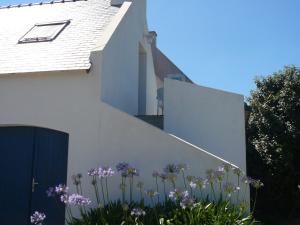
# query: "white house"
78,80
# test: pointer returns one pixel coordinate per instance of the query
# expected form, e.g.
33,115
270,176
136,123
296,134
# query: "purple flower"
61,189
177,194
75,199
122,166
127,170
192,184
37,218
163,176
105,172
93,172
51,192
155,174
187,201
171,168
137,212
64,198
220,173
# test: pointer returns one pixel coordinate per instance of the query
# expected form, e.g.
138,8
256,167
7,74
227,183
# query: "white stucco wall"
120,70
126,138
209,118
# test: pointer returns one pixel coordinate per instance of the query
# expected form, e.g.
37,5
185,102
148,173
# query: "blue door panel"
50,169
16,148
27,153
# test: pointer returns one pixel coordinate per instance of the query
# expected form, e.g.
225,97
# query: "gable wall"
120,66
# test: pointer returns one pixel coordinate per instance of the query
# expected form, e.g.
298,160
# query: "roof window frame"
24,40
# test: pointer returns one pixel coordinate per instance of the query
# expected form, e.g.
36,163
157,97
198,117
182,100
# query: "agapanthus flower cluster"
163,176
93,172
254,183
193,184
187,201
51,192
61,189
183,197
151,193
105,172
127,170
178,195
37,218
122,166
137,212
226,167
172,169
77,200
230,188
197,182
57,191
155,174
201,182
237,171
220,173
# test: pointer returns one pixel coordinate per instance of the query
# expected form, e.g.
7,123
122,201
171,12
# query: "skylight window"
44,32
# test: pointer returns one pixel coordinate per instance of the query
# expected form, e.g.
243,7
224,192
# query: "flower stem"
106,186
213,191
130,188
102,190
254,204
158,201
165,190
183,176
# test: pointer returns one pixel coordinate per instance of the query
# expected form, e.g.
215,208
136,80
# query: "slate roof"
69,51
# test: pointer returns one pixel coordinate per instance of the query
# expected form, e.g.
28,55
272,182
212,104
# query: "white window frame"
25,39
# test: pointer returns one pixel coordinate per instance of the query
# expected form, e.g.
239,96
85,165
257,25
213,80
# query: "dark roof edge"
38,3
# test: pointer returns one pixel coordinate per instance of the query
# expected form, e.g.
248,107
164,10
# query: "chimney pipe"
116,2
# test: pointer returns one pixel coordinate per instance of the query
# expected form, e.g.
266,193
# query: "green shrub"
273,132
169,213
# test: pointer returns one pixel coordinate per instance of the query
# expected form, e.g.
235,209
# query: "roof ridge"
39,3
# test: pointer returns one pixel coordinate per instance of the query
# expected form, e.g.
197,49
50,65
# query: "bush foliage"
273,132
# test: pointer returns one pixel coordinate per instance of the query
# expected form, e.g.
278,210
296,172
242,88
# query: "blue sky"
225,44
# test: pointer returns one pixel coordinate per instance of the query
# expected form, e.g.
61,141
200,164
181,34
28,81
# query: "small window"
44,32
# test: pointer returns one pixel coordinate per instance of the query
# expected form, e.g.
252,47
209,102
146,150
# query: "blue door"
32,159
